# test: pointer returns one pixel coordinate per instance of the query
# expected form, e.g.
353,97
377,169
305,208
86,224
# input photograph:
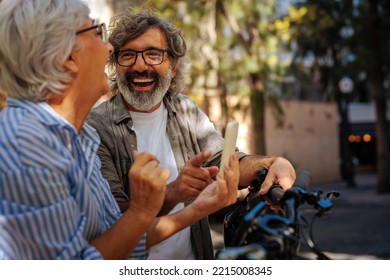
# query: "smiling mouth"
143,82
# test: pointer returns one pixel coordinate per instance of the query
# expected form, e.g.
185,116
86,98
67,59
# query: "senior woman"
54,202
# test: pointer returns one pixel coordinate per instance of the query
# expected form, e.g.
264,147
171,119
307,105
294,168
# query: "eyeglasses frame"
101,31
142,55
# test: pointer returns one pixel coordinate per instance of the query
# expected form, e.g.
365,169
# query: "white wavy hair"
36,37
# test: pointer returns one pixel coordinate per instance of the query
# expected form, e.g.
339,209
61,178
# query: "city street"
358,226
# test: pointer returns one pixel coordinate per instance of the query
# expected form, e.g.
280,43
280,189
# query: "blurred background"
307,80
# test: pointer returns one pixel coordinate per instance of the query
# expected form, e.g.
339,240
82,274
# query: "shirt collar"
41,110
47,115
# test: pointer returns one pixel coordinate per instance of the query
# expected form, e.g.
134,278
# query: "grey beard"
144,101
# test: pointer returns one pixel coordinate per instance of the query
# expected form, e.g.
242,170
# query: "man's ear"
71,63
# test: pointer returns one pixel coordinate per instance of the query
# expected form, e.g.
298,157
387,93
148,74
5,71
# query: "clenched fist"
148,182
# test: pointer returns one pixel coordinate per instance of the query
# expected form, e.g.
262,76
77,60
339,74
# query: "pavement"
358,226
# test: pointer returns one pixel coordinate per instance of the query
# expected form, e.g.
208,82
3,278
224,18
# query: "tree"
350,37
377,81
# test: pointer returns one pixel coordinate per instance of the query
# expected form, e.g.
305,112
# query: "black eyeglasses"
101,31
152,57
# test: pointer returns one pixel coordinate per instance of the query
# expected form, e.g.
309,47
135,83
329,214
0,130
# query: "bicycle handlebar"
252,224
276,195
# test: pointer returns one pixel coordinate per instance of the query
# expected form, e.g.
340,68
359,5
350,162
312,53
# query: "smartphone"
229,146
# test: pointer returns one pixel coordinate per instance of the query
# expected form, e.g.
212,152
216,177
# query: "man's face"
144,86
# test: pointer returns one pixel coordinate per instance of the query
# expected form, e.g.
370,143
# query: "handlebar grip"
303,180
276,193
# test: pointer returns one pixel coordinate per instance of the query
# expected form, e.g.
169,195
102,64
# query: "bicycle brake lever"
332,194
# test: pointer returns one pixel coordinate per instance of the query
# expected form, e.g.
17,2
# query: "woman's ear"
71,63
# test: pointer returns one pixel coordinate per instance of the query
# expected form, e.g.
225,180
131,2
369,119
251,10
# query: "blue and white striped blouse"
53,198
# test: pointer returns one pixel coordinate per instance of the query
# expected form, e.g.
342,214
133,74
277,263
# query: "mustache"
129,76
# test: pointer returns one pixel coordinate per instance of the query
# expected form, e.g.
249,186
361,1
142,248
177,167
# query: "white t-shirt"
151,130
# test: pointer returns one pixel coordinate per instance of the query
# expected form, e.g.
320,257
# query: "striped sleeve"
101,190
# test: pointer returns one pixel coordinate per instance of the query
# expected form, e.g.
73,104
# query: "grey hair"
131,25
37,36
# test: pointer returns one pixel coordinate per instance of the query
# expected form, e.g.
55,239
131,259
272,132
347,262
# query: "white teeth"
140,80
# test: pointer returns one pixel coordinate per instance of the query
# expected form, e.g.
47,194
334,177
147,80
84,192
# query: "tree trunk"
223,97
382,142
382,146
257,108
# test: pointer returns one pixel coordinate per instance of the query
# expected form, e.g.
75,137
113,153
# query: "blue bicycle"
254,231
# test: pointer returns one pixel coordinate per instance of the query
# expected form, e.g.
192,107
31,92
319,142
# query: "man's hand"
192,179
147,181
281,172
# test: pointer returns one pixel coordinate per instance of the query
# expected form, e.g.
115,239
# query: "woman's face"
92,57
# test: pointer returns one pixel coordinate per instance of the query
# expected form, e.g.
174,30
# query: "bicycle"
253,231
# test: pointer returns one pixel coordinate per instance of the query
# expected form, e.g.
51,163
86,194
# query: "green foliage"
337,34
234,38
236,48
